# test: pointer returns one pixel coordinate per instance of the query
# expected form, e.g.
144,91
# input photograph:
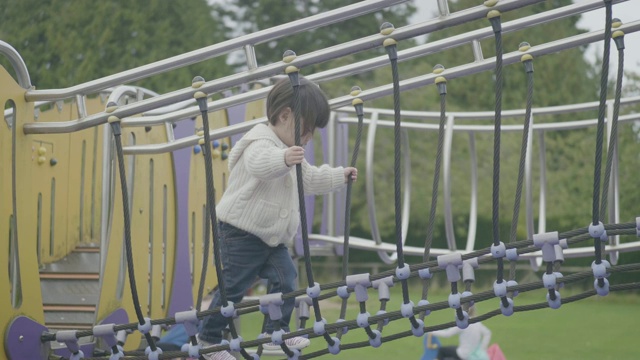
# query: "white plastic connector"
464,323
423,303
404,272
335,348
467,269
418,331
425,273
596,230
546,242
454,300
512,254
314,291
498,251
363,319
318,327
407,309
500,289
343,292
451,263
377,340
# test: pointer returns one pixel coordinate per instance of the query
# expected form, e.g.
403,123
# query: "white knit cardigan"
262,193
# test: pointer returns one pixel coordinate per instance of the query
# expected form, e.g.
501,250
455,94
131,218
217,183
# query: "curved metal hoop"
387,258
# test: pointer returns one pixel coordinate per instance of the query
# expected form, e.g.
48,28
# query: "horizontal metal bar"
196,56
366,244
565,125
405,85
301,61
378,62
489,115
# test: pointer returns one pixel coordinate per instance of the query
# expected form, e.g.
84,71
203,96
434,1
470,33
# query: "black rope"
613,137
523,155
393,58
601,115
211,209
295,83
347,215
117,135
442,88
205,251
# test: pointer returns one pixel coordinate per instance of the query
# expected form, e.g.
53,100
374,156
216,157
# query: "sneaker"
296,342
219,355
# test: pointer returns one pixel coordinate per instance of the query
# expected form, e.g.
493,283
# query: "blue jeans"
244,258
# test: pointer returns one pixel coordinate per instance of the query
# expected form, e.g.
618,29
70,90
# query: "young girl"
473,341
259,211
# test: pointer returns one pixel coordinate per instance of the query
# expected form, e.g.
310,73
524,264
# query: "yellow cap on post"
617,33
355,91
290,69
356,101
197,82
201,141
111,107
490,3
493,13
526,57
113,119
389,42
386,28
438,69
288,56
42,150
200,133
199,95
616,23
440,79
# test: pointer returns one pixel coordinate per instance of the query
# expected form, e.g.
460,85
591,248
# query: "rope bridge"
456,266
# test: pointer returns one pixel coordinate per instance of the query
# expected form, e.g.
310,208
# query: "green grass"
594,328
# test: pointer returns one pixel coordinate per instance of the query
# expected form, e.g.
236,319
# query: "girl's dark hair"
314,107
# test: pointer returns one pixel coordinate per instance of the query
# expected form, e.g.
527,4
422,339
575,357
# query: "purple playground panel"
23,338
181,294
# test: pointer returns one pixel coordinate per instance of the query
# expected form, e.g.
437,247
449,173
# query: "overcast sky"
594,20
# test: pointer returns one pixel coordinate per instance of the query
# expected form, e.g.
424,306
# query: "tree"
67,42
247,16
